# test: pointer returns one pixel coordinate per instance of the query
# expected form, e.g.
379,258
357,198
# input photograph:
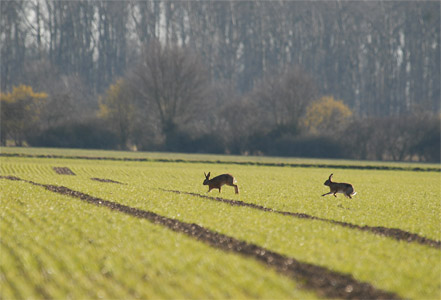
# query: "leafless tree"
171,83
284,96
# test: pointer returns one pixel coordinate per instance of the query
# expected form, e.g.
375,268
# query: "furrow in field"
320,279
106,180
9,288
394,233
247,163
23,279
13,168
48,256
36,253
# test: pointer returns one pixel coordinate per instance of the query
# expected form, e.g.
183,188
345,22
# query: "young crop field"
119,225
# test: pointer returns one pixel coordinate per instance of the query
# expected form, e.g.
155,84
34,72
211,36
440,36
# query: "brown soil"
11,178
106,180
63,170
394,233
324,281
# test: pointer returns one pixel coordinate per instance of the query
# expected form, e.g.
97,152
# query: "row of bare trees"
226,77
167,102
381,57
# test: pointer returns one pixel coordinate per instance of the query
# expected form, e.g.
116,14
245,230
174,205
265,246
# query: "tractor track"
394,233
245,163
107,180
325,282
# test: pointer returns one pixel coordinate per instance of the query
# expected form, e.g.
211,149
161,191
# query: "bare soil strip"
246,163
324,281
63,170
394,233
106,180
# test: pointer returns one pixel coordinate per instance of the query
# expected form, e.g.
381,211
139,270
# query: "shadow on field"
394,233
325,282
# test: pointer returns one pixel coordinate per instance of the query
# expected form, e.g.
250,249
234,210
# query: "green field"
57,245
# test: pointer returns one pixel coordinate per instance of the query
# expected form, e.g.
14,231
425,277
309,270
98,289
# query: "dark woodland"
332,79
